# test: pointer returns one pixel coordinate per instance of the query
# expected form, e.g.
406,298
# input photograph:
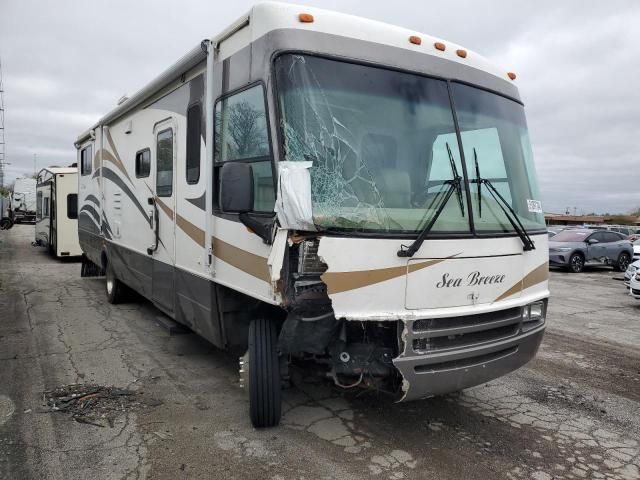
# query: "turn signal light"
462,53
305,18
439,46
511,75
415,40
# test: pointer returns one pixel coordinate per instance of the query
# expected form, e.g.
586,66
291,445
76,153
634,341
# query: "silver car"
573,249
631,271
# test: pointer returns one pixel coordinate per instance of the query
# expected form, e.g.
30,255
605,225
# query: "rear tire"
114,288
576,263
265,396
623,262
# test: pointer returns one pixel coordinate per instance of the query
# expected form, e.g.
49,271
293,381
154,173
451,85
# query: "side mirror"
592,241
236,187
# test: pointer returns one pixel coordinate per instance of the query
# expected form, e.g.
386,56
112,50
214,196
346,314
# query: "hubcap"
576,263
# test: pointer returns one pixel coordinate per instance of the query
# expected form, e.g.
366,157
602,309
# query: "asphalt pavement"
176,412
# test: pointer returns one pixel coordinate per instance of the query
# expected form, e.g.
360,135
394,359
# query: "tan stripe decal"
534,277
250,263
342,281
195,233
115,158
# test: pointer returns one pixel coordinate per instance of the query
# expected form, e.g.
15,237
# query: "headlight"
560,249
637,277
533,315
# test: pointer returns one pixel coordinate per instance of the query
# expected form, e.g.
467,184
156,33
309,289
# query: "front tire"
576,263
623,262
265,397
113,287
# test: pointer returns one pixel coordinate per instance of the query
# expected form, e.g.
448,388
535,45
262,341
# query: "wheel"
623,262
264,374
114,287
576,263
6,223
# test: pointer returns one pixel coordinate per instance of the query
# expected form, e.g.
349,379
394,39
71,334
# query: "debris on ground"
95,404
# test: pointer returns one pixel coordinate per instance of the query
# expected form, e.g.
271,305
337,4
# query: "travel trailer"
57,211
315,186
23,201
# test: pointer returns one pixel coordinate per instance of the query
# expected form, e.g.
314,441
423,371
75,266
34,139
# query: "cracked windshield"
384,150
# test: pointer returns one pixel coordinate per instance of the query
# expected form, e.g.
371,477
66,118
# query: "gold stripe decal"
250,263
196,234
115,158
338,282
534,277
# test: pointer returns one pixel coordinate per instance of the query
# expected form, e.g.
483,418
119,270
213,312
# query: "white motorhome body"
57,211
408,252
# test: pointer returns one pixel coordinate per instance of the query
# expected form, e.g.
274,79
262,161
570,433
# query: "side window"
39,204
164,163
85,160
612,237
45,207
599,236
241,134
194,132
143,163
72,206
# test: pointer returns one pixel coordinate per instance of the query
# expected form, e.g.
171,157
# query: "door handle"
155,225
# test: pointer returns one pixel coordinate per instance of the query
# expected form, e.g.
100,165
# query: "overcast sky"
66,63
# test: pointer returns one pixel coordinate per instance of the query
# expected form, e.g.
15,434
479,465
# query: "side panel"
66,228
43,223
90,201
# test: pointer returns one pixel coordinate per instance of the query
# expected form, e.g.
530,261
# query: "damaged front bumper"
440,359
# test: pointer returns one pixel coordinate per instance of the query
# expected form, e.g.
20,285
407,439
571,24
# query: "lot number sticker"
534,206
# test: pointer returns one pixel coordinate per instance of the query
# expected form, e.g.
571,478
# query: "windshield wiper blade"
475,159
455,185
509,212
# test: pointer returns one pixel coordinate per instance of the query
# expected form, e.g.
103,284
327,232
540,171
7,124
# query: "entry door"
164,256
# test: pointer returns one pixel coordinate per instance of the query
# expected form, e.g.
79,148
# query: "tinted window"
164,164
85,160
143,163
612,237
194,131
241,126
599,236
45,207
72,206
38,204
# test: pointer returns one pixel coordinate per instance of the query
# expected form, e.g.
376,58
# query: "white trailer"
313,185
23,201
57,211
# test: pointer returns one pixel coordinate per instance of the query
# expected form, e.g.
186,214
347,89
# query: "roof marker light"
439,46
511,75
415,40
461,53
305,18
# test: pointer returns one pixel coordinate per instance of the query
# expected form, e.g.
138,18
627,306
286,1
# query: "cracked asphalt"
574,412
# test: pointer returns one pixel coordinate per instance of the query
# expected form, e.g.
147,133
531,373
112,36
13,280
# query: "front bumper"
427,374
559,259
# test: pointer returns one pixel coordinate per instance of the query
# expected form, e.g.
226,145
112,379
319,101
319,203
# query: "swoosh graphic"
534,277
115,158
111,175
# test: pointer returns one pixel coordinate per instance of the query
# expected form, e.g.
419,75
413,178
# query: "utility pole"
3,158
34,165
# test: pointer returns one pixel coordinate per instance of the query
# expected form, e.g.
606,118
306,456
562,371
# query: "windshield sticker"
534,206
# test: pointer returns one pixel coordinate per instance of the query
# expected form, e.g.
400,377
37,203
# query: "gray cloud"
66,63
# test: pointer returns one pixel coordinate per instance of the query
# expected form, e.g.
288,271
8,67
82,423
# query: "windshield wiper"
527,243
455,185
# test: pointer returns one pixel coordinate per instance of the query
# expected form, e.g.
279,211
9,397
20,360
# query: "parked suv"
573,249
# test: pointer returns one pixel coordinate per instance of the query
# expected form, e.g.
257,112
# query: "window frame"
197,104
271,158
83,172
147,149
473,233
173,137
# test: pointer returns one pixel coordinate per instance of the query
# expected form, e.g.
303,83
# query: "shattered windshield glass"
379,141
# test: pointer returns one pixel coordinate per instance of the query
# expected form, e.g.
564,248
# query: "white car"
636,249
630,272
634,285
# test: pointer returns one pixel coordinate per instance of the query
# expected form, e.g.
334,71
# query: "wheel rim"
624,262
576,263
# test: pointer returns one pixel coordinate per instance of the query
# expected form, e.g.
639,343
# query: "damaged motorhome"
314,186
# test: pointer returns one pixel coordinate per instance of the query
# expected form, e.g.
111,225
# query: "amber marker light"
511,75
305,18
462,53
439,46
415,40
